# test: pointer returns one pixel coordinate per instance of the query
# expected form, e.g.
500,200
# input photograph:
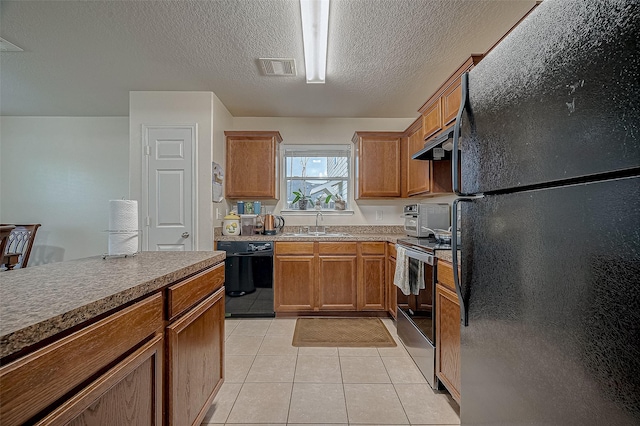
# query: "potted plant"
301,198
339,203
322,199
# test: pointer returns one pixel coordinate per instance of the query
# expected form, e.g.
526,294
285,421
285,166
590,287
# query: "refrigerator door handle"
455,159
464,302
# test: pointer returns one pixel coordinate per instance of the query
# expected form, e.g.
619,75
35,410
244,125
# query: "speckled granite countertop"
357,233
41,301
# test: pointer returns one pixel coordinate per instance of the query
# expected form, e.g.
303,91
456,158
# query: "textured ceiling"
81,58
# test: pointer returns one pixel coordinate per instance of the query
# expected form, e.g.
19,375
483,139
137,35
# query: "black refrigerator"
549,139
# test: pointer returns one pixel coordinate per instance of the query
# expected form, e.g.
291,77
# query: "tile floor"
268,381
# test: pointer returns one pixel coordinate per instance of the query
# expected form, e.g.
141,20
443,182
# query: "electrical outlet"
218,213
378,215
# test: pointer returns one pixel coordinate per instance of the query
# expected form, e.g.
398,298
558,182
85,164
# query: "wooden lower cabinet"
132,367
337,276
294,276
134,386
371,277
447,332
34,382
329,276
195,352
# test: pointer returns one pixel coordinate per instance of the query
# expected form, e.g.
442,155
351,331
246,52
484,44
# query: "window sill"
313,212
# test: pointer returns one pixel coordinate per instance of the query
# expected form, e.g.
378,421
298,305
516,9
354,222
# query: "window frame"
316,150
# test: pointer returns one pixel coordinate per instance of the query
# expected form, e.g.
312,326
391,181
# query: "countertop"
388,233
40,301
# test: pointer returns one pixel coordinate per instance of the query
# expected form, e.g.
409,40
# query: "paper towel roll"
123,243
123,215
123,227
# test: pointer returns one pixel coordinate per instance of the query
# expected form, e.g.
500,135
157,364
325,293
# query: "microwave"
421,219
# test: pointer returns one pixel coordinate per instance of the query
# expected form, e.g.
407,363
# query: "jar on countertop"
231,224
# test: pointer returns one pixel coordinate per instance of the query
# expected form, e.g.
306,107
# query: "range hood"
438,148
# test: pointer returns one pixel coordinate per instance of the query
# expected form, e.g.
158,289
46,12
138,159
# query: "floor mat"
343,332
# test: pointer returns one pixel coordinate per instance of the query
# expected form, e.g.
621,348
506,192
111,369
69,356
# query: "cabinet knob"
185,235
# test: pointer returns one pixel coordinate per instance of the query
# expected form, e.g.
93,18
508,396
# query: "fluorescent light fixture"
315,31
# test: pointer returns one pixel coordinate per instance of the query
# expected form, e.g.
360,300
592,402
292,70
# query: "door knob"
185,235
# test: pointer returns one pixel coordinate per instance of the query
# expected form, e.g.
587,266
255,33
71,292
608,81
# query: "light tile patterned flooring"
269,381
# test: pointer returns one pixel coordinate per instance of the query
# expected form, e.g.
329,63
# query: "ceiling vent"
273,66
5,46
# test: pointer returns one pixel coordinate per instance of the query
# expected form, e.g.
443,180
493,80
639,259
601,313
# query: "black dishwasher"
248,278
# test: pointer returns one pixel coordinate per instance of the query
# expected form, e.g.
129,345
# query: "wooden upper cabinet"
451,102
432,119
440,110
378,164
417,175
252,164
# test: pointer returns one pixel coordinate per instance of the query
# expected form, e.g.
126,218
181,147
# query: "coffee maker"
272,224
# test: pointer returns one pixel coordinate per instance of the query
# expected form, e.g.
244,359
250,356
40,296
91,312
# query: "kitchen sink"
316,234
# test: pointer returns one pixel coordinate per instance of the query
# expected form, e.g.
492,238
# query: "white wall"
336,131
222,120
179,108
61,172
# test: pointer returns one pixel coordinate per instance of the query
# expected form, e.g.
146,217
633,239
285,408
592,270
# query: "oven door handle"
418,255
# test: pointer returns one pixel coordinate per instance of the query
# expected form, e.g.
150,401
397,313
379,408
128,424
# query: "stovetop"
424,244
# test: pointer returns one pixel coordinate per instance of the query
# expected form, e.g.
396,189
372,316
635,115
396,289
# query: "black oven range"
416,309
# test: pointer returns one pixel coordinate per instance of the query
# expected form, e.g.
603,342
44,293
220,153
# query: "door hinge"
147,150
148,220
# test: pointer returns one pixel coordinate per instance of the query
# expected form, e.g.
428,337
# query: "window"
317,172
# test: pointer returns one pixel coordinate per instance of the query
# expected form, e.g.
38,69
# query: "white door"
169,154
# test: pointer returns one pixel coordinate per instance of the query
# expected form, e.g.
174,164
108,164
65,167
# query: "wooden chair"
18,246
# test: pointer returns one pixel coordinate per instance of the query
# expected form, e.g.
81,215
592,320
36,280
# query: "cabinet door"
130,393
451,102
337,278
378,165
418,181
251,165
448,340
371,283
195,356
294,282
432,119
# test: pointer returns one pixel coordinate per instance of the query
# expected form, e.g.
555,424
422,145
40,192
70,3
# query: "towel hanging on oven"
409,276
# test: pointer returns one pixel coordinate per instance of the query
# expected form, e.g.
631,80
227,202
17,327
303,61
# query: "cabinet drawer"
294,248
337,248
35,381
445,274
372,248
392,250
192,290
